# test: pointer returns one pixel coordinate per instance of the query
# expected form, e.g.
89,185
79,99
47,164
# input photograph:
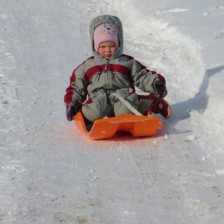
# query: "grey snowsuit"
95,79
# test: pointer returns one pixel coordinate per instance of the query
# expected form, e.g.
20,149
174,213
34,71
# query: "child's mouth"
108,55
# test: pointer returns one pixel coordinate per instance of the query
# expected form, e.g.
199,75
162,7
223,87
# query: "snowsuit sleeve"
77,89
144,79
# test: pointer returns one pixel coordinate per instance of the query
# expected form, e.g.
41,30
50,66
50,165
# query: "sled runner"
136,125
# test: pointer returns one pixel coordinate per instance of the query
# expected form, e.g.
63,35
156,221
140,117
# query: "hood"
107,19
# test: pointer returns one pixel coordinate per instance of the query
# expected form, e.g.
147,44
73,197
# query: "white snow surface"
51,173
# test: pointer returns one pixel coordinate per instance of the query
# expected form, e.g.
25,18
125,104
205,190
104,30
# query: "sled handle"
127,104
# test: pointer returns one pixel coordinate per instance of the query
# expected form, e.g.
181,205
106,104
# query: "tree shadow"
199,102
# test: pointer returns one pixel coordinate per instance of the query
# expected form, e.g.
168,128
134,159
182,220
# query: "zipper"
106,66
106,73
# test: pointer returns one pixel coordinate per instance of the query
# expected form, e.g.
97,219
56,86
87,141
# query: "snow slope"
51,173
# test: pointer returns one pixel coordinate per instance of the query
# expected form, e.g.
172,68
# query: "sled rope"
127,104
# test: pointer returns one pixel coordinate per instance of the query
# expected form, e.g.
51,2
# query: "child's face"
107,49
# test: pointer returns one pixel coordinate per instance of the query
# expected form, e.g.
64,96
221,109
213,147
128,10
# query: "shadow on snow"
199,102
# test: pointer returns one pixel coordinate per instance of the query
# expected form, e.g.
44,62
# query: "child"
110,71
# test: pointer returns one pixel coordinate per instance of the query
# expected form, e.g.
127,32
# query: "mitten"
72,109
160,88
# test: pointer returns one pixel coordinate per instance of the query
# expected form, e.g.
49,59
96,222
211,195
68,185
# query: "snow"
51,173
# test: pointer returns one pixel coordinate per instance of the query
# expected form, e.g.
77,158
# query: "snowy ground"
51,173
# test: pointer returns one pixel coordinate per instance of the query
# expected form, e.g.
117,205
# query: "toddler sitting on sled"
94,82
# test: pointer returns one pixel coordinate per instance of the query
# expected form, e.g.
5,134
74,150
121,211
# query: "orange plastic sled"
138,126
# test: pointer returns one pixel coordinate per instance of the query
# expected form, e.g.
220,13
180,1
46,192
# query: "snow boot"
160,106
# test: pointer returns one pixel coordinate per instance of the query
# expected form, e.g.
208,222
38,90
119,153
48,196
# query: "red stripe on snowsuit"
119,68
69,90
161,78
93,70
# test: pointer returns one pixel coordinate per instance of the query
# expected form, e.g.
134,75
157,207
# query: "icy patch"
190,138
205,13
175,10
4,16
220,172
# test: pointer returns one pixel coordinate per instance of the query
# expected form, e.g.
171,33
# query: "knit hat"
105,32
